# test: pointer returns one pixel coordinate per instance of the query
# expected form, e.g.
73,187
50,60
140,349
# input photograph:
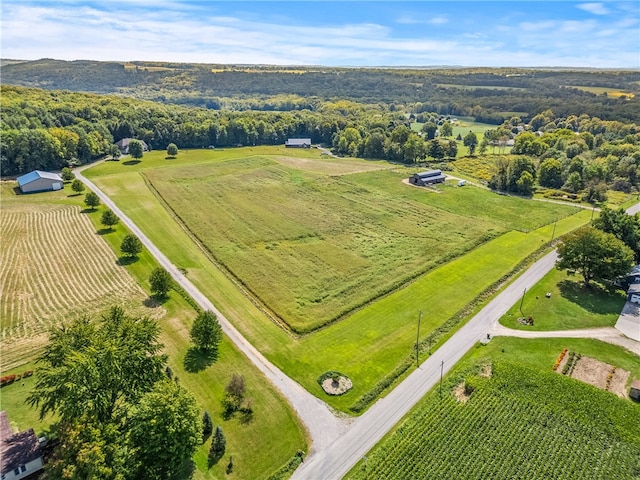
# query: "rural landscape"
258,271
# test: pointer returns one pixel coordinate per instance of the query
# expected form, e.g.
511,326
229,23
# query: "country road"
321,424
337,445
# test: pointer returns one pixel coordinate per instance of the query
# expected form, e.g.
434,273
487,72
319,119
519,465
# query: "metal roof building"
38,181
298,143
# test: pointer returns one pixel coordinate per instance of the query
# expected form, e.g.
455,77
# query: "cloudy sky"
334,33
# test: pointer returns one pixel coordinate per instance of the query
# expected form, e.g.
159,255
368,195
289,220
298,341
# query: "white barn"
38,181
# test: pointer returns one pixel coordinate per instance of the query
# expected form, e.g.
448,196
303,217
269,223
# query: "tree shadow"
104,231
185,471
155,301
124,261
88,210
594,298
131,162
197,360
170,158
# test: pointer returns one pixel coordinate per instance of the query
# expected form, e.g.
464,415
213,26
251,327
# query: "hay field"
53,266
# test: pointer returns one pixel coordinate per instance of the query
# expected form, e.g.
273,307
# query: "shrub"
7,380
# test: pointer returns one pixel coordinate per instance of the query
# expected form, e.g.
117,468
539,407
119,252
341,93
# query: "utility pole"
441,369
418,341
522,301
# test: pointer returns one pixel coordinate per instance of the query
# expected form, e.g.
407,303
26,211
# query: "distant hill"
490,94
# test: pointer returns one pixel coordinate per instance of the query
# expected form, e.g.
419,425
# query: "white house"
38,181
20,453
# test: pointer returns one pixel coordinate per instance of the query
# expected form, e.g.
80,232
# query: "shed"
635,390
38,181
123,145
427,178
20,453
298,143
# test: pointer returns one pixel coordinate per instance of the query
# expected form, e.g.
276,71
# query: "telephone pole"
418,341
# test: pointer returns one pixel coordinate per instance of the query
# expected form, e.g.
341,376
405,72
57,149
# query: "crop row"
53,265
505,432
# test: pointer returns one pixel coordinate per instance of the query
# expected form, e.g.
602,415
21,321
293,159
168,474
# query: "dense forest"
490,95
569,150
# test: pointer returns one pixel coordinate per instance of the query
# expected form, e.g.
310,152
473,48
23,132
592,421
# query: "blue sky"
415,33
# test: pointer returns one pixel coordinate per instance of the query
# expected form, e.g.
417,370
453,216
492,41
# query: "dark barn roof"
17,449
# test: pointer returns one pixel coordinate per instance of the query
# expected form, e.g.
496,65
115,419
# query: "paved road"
321,424
367,430
337,447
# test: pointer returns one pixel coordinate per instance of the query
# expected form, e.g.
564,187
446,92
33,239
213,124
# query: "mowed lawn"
570,305
79,243
503,429
367,344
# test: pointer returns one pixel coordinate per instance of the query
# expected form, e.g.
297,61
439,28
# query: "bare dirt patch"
599,374
333,387
618,384
486,371
461,393
592,371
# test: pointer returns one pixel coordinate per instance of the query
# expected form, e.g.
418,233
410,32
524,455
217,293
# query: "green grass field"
570,306
259,448
463,126
499,427
372,341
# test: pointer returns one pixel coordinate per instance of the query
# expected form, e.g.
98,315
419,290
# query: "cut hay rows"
53,266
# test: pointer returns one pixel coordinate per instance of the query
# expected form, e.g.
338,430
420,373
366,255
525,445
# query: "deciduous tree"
77,186
172,150
136,150
91,200
67,174
161,282
470,141
109,219
206,332
595,254
131,246
164,431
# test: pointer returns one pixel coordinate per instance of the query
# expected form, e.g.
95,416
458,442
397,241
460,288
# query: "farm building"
123,145
427,178
20,452
38,181
298,143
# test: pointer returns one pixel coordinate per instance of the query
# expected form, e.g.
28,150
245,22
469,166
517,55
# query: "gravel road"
322,425
336,445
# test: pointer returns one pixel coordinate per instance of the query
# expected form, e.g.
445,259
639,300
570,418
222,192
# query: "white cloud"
170,32
595,8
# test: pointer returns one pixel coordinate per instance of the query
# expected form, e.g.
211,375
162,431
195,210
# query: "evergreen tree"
218,446
207,426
